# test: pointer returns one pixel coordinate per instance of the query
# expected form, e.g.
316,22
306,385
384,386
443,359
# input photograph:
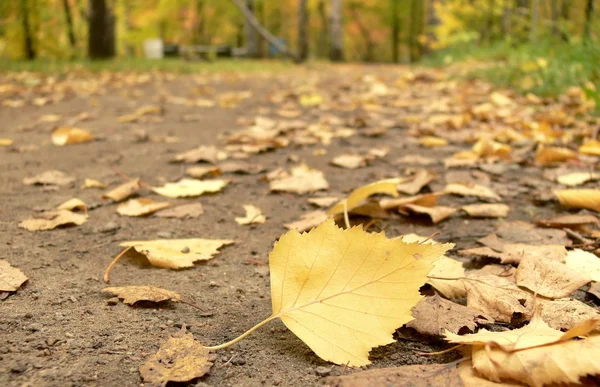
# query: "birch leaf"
190,187
580,198
358,195
49,220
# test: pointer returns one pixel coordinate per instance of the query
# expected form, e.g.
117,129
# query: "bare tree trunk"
416,22
101,32
336,22
324,35
27,35
303,35
395,10
589,15
250,18
535,15
252,43
364,32
70,28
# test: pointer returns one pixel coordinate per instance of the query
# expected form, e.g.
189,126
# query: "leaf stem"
243,335
346,218
114,262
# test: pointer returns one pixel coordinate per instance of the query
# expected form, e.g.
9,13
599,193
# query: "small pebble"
35,327
322,371
112,301
18,367
238,361
185,250
109,227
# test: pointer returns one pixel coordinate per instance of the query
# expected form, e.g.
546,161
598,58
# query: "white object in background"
153,48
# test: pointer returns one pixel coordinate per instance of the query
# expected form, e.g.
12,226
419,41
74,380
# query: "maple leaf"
344,292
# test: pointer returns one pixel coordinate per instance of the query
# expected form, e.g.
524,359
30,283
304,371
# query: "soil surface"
59,329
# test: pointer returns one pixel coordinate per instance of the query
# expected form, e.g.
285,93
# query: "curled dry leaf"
68,135
418,375
193,210
436,214
387,187
435,315
11,278
425,200
325,292
200,172
497,297
208,154
415,183
123,191
253,216
590,147
349,161
477,190
308,221
580,198
549,155
141,207
53,177
49,220
91,183
303,179
132,294
487,210
73,204
180,359
190,187
585,263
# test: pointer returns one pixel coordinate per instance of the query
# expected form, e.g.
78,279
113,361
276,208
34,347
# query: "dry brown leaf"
180,359
595,290
177,253
308,221
193,210
185,188
562,221
141,207
303,179
436,214
53,177
565,313
545,156
497,297
431,141
387,186
200,172
590,147
49,220
349,161
434,315
584,263
416,183
420,375
323,201
73,204
68,135
144,110
11,278
487,210
6,142
477,190
253,216
573,179
425,200
133,294
523,232
123,191
241,167
91,183
446,277
208,154
513,253
580,198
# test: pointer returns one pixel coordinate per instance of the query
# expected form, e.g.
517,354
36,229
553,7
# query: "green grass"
143,65
546,68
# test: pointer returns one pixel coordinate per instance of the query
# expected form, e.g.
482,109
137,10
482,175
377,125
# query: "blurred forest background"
542,44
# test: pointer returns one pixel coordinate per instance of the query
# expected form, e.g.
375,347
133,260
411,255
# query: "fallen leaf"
487,148
434,315
253,216
545,156
436,214
425,200
179,359
564,313
177,253
193,210
562,221
190,188
308,221
349,161
68,135
241,167
142,111
497,297
486,210
53,177
123,191
595,290
415,160
580,198
585,263
577,178
590,147
11,278
303,179
49,220
548,277
140,207
431,141
387,186
133,294
73,204
200,172
208,154
323,201
91,183
323,290
523,232
471,378
477,190
6,142
418,375
416,183
453,272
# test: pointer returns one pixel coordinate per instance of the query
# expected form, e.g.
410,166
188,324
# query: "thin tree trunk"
535,15
250,18
101,33
252,43
416,21
364,32
490,19
324,35
200,26
554,17
70,28
589,15
395,30
27,35
303,35
336,48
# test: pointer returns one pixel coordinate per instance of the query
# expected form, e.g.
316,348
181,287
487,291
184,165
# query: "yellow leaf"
303,179
73,204
123,191
91,183
489,148
470,190
486,210
585,263
310,100
590,147
141,207
177,253
6,142
425,200
549,155
344,292
415,183
52,177
349,161
577,178
190,187
133,294
11,278
436,214
67,135
253,216
192,210
358,195
548,277
431,141
580,198
51,219
139,113
308,221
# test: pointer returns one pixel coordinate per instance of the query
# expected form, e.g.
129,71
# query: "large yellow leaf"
344,292
361,193
580,198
